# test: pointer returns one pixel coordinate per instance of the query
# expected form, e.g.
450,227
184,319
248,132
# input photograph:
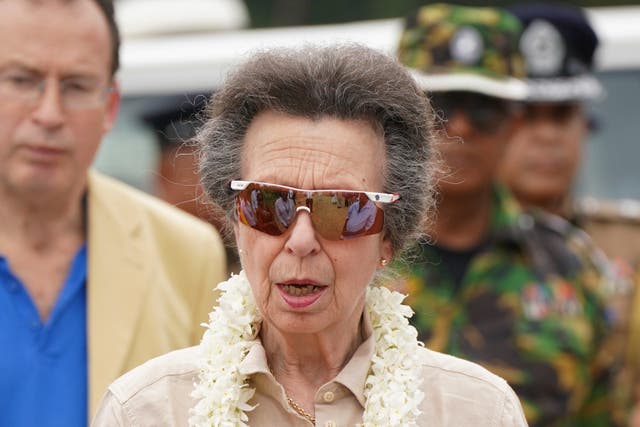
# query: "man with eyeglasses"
95,277
542,160
496,285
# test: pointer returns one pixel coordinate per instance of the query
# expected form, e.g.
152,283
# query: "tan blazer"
151,271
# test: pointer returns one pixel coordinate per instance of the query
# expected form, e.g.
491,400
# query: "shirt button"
329,423
328,397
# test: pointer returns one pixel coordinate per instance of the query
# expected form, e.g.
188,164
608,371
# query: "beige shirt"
457,393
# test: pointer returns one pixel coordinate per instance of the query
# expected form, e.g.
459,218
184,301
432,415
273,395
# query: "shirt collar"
353,376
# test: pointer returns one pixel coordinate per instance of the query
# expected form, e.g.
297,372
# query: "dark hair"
106,6
107,9
349,82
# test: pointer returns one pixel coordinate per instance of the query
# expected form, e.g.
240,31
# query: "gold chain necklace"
301,411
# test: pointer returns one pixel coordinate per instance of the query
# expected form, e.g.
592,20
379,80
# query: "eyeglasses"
485,113
27,88
559,113
335,214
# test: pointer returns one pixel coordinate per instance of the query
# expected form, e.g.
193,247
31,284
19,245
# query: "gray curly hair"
348,82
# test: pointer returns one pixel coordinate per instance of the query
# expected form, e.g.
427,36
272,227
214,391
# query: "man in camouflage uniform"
514,292
542,159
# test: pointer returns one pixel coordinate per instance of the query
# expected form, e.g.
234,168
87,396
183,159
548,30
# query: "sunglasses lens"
257,209
558,112
445,105
485,113
363,217
335,215
329,213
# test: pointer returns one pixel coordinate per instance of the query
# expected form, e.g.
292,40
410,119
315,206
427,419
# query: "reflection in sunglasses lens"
335,215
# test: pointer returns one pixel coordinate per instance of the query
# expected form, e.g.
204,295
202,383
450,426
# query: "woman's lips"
300,294
300,290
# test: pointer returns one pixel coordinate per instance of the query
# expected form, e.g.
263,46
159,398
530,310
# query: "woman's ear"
386,251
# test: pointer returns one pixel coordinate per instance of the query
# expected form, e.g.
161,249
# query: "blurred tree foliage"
268,13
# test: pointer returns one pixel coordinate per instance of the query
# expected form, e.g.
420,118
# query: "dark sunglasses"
335,214
485,113
557,112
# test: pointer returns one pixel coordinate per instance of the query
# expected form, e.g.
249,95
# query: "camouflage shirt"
615,226
529,308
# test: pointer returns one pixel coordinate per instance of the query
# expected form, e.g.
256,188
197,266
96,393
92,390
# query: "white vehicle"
159,67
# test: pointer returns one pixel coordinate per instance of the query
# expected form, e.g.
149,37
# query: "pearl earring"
384,262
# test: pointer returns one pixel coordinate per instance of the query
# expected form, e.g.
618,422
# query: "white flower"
222,392
392,388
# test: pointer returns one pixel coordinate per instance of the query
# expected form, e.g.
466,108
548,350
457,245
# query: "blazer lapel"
118,279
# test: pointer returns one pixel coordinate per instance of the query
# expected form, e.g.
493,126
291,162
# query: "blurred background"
265,13
175,53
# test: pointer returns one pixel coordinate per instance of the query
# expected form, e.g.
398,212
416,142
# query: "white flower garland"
392,388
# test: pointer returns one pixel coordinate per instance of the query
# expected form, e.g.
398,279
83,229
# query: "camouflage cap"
459,48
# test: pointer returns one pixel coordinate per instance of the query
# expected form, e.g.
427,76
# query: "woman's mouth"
300,295
300,290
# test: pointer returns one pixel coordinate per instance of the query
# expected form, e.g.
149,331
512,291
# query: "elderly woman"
302,336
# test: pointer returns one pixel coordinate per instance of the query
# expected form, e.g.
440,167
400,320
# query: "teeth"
300,290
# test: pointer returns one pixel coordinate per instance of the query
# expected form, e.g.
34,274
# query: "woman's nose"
302,239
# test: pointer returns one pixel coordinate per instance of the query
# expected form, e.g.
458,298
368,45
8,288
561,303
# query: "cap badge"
466,45
543,48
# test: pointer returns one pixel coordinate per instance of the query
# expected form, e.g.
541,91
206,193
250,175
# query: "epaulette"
620,210
551,222
582,245
555,245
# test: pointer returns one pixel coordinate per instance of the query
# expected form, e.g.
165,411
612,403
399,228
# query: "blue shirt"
43,366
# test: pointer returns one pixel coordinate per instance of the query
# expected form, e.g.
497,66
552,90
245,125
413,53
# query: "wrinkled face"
55,58
544,153
476,129
302,282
